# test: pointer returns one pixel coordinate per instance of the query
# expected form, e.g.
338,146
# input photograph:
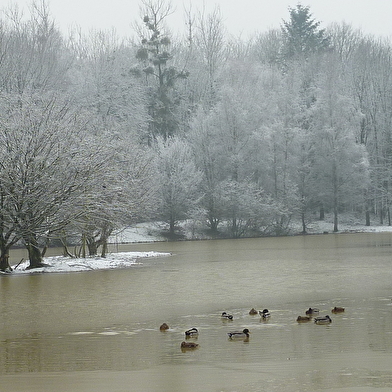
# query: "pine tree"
302,34
155,55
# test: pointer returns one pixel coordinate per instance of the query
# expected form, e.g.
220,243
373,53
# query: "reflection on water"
100,330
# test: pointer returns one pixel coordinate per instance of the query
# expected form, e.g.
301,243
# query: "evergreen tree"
302,34
155,56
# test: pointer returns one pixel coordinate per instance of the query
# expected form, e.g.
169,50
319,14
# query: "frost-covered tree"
209,44
116,103
341,165
230,143
179,181
248,211
46,166
33,52
372,87
208,158
33,63
267,47
9,235
284,140
300,92
102,84
124,192
344,40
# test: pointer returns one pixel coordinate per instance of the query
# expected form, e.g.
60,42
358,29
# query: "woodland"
238,136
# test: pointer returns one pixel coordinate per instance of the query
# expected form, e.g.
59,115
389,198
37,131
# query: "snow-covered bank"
67,264
141,232
347,225
151,232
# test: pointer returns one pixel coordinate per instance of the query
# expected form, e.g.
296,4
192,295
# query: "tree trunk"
322,213
4,252
335,209
367,209
335,195
213,222
104,247
214,225
303,222
106,232
83,248
92,246
171,227
234,228
4,263
367,217
35,255
381,214
335,219
66,252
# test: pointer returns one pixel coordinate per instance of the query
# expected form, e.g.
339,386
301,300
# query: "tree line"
240,137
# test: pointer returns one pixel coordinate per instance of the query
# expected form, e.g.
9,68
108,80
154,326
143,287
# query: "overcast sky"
240,17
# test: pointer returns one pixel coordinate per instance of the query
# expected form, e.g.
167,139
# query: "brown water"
99,331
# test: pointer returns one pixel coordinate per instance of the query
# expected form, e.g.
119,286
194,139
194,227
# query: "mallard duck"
264,313
311,311
337,309
227,316
164,327
191,333
188,345
238,334
303,319
253,311
323,320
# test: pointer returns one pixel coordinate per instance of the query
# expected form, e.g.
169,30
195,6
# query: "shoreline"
152,232
149,233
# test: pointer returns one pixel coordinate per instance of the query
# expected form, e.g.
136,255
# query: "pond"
99,331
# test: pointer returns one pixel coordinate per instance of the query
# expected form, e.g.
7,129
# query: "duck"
191,333
303,319
337,309
164,327
253,311
311,311
227,316
239,335
188,345
323,320
265,313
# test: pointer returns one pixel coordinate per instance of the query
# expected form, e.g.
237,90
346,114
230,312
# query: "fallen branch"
20,262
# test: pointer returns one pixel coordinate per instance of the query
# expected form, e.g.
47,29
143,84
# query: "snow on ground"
151,232
347,224
111,261
141,232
